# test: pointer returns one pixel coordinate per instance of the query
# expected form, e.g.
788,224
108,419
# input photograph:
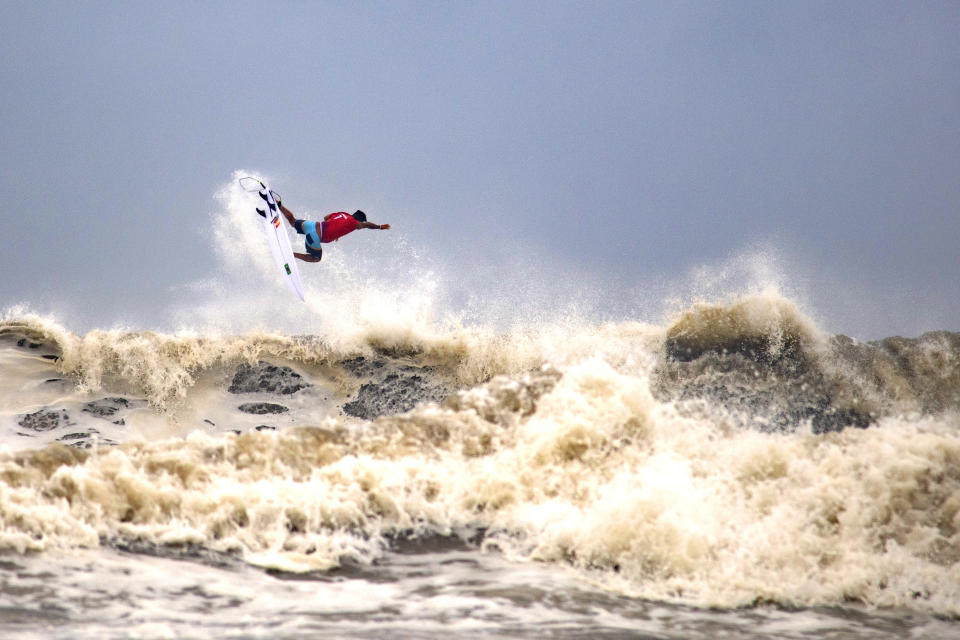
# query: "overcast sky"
625,144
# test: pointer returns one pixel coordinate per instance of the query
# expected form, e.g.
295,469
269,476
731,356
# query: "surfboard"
273,228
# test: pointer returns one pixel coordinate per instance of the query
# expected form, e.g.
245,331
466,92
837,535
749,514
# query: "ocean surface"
735,472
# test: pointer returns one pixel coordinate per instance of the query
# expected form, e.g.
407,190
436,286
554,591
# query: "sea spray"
737,455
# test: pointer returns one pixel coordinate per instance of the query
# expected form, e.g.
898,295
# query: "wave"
760,356
736,454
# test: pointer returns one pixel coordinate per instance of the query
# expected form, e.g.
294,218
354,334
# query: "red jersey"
337,226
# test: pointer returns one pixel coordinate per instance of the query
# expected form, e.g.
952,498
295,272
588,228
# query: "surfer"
333,227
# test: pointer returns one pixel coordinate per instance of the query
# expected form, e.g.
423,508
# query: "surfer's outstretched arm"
372,225
306,257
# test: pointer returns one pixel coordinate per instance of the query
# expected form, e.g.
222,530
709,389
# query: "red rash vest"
337,226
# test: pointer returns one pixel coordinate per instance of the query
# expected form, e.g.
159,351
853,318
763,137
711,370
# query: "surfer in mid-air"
333,227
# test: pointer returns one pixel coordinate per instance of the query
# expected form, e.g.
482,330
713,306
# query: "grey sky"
627,142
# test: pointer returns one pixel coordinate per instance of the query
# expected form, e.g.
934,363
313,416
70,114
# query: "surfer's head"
359,216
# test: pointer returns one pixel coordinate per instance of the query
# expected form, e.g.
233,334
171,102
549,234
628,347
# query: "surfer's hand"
384,227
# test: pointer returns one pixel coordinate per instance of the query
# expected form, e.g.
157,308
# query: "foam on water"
559,448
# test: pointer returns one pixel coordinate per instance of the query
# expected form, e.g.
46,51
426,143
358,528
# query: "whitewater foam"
660,462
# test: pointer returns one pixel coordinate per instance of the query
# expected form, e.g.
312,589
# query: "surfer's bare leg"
306,257
288,215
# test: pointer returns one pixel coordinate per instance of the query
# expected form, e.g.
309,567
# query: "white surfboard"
273,227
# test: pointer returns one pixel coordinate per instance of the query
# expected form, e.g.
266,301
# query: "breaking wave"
736,454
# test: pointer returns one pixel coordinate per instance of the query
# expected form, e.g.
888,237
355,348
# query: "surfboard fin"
272,206
262,212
